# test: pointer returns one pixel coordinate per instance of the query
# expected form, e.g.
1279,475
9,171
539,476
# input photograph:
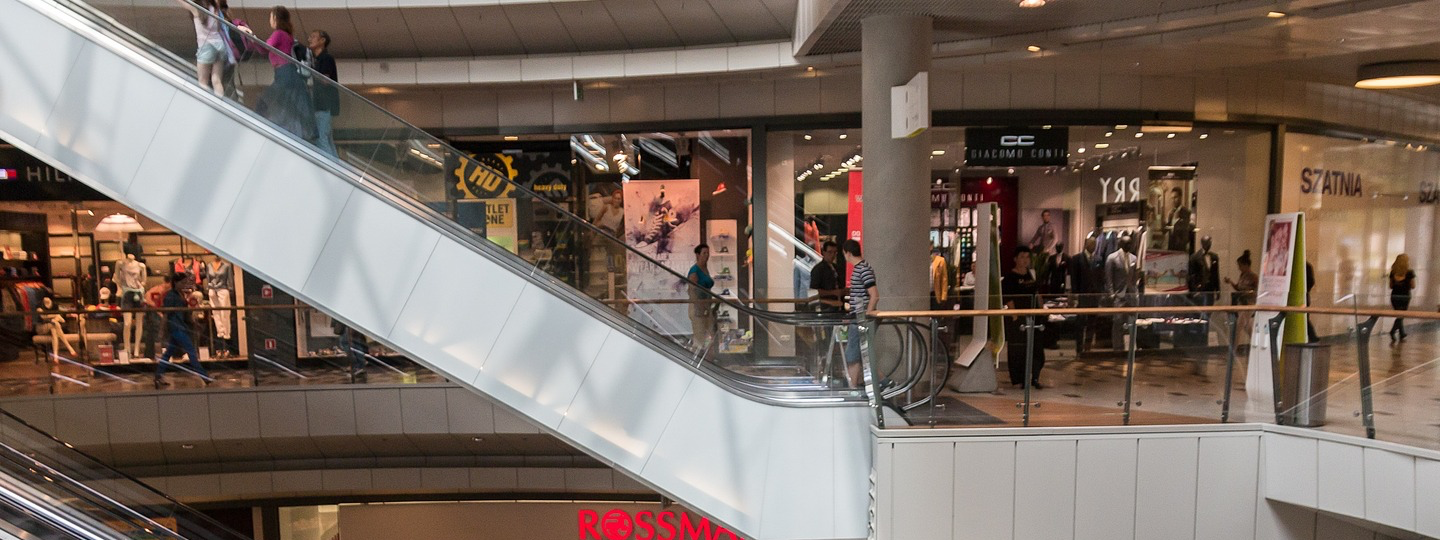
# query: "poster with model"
1043,228
1282,283
662,222
1170,199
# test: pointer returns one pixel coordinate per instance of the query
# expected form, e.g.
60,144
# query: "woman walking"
287,101
209,46
1402,281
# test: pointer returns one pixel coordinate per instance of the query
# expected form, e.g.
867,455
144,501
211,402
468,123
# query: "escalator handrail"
210,523
406,202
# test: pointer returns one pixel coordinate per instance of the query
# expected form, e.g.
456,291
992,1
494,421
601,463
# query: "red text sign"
645,525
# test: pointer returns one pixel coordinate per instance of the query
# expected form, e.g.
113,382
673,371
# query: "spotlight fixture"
937,152
1034,48
808,137
1169,135
1031,3
1276,14
1122,127
1081,150
1010,170
1405,74
844,136
1109,133
1102,146
1139,134
1204,136
511,138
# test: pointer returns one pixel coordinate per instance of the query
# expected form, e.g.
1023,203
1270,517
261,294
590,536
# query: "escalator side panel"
105,117
36,61
458,335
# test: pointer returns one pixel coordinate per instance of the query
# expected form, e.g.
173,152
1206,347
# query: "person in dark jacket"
326,93
177,327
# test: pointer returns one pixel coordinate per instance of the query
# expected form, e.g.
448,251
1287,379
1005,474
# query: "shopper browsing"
1402,281
1017,289
864,297
702,307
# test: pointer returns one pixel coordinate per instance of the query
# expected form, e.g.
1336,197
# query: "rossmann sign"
646,525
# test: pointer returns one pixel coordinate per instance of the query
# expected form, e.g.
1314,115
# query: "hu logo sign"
645,525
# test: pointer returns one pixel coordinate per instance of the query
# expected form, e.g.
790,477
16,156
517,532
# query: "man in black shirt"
1017,289
825,278
326,93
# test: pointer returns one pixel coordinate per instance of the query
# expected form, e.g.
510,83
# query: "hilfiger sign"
646,525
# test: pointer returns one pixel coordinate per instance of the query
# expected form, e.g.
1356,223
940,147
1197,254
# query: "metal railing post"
1130,369
1363,332
1029,367
1274,324
1233,323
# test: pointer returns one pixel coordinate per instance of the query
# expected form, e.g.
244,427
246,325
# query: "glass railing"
1170,359
644,276
51,480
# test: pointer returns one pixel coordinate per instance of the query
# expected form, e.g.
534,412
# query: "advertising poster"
1165,271
1043,228
1282,283
720,235
662,222
500,225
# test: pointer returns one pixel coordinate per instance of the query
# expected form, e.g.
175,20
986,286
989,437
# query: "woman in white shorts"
209,47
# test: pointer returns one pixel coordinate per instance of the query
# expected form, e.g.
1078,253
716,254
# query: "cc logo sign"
1017,140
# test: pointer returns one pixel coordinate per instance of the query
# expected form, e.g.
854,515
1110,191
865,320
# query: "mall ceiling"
1316,40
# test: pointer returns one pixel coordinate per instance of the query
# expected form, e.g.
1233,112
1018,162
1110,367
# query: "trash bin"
1307,376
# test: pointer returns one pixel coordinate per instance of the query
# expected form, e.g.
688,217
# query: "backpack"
239,47
302,53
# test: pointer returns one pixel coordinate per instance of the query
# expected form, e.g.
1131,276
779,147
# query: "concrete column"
897,171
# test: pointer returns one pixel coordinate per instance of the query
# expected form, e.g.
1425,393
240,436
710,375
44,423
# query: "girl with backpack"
287,101
210,50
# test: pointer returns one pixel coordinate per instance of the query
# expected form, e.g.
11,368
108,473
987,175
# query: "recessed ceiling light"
1081,150
1122,127
1275,14
1109,133
1204,135
1031,3
1406,74
844,136
937,152
511,138
1034,48
1102,146
1139,134
1096,167
808,137
1170,136
809,68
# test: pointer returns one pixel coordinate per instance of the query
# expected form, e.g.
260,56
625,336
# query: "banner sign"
647,525
662,221
1016,147
545,173
1282,283
24,178
500,227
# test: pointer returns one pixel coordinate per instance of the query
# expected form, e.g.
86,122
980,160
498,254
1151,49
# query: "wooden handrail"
1427,315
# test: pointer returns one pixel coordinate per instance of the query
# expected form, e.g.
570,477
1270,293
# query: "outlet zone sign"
646,525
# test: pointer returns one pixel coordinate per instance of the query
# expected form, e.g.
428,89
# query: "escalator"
760,439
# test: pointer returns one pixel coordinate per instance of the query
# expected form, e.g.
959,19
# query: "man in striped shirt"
863,298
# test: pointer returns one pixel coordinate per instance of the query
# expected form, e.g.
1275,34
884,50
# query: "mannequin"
130,277
53,326
1204,274
191,267
1120,285
219,281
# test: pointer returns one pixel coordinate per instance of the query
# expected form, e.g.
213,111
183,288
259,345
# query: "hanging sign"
910,107
1016,147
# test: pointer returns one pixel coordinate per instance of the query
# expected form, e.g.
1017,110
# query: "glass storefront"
1176,185
1366,202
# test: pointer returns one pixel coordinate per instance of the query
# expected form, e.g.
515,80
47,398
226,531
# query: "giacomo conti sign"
1016,147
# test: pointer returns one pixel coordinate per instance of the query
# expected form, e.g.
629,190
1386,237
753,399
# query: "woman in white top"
209,46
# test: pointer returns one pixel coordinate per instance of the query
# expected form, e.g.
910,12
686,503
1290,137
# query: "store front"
507,520
61,240
1188,192
1365,203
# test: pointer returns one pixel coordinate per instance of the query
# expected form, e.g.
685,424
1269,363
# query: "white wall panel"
1165,493
1427,496
987,91
853,452
1390,489
594,109
525,108
598,66
370,263
529,369
924,495
984,491
1340,479
37,55
283,216
423,411
1229,471
188,138
797,96
1032,90
456,311
609,416
1105,489
1044,489
692,101
644,64
105,118
789,487
709,59
1290,469
546,68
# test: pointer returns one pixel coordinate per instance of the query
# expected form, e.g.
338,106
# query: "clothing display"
190,267
1203,277
130,275
939,279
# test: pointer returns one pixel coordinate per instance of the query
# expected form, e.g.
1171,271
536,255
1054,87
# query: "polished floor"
1182,386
